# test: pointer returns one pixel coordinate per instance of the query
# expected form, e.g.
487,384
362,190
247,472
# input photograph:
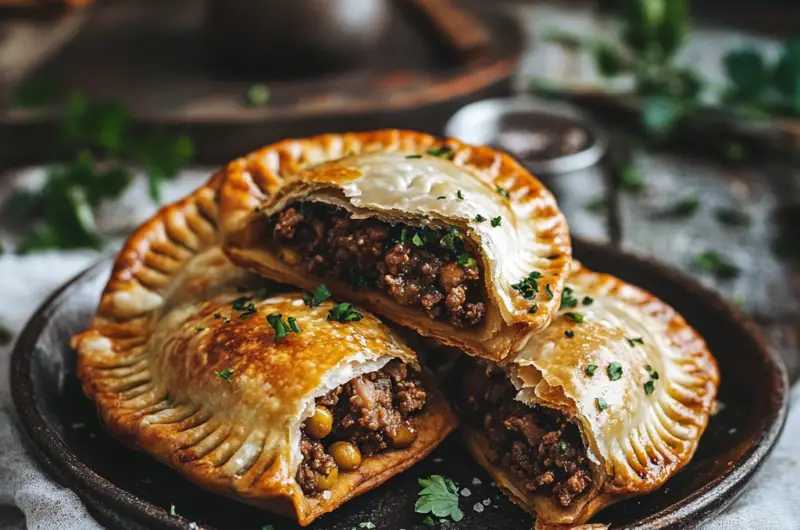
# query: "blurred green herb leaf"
718,265
258,95
610,61
598,204
60,214
747,73
36,93
660,114
684,207
630,178
787,73
733,217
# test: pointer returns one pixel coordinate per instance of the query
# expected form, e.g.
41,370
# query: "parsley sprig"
568,298
60,214
528,287
318,294
439,496
344,312
282,329
226,374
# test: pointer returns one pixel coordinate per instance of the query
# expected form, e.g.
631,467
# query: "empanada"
284,400
456,242
606,403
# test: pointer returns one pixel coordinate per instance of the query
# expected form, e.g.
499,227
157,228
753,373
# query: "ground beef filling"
370,412
416,266
537,444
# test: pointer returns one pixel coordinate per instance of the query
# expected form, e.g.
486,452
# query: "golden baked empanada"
284,400
456,242
606,403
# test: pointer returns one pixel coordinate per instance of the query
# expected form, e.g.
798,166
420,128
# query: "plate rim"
99,493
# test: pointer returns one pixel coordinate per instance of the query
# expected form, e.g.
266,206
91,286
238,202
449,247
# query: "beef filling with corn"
416,266
536,444
365,416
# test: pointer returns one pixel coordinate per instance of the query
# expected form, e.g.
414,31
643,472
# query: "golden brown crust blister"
167,327
642,438
389,175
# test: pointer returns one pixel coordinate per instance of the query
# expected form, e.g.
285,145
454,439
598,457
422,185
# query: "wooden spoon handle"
454,27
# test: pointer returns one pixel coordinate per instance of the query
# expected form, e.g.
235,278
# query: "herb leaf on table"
439,496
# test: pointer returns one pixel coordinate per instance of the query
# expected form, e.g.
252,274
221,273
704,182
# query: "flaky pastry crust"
177,371
419,180
636,435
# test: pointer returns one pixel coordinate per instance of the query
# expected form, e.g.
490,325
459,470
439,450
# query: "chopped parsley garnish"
226,374
239,303
528,287
534,308
318,294
502,192
497,221
588,300
590,370
172,510
654,375
716,264
200,328
249,310
569,333
403,236
648,368
649,387
601,404
575,317
465,260
441,151
479,218
439,496
548,291
414,156
563,447
369,525
262,292
449,239
219,315
614,371
441,197
281,328
418,240
460,195
568,299
635,340
344,312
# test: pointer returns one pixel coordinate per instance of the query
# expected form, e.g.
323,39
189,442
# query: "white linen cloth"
30,498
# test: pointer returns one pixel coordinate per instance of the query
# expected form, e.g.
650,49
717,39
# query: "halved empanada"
283,400
608,402
457,242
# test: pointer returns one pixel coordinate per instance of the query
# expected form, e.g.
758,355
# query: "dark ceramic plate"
126,489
